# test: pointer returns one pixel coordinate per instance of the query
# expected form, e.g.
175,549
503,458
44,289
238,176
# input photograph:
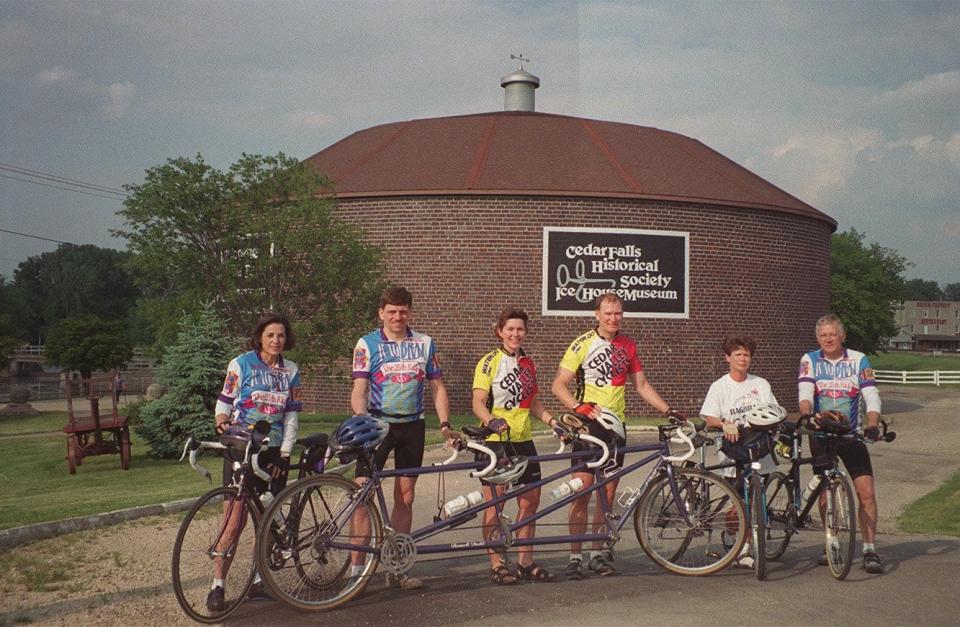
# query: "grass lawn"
914,361
38,487
936,513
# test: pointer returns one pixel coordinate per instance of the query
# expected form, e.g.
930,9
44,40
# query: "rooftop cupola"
519,88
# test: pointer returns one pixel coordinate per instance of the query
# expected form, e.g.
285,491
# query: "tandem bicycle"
333,525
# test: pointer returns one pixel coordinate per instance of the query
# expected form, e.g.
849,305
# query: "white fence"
926,377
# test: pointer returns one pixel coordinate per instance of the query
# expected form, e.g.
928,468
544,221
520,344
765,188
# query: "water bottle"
266,498
566,488
811,486
460,503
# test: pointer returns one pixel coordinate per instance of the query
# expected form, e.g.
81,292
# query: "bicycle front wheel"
841,526
683,533
780,511
758,525
216,537
318,532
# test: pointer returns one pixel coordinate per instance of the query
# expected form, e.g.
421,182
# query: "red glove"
586,409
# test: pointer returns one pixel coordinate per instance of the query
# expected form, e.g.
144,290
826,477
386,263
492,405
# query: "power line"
46,239
60,179
76,191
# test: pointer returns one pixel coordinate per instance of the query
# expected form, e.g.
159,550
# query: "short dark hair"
396,296
511,312
733,342
265,321
606,297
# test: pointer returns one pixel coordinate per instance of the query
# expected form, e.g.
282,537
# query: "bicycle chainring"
398,553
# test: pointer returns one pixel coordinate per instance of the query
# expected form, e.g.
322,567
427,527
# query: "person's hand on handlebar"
731,431
498,425
676,415
872,433
279,469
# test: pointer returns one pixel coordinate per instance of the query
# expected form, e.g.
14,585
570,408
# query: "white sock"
217,583
576,556
594,554
868,547
356,570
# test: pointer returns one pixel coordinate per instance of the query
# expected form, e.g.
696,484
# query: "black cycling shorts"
611,439
853,453
526,449
266,457
405,439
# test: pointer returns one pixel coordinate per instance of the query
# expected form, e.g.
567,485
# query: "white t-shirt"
730,401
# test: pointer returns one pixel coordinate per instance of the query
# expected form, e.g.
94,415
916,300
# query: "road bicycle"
788,509
221,526
339,524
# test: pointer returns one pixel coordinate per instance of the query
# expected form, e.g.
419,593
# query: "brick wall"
464,257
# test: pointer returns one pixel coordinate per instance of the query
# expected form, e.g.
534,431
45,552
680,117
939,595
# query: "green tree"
864,282
8,339
260,236
88,344
192,369
920,289
951,291
68,282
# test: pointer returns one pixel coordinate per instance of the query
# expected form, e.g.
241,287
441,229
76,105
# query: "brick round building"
463,207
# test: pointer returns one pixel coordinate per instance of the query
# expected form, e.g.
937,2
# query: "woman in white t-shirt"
729,400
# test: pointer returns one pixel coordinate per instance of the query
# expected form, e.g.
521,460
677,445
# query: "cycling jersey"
253,390
396,371
602,367
511,384
838,384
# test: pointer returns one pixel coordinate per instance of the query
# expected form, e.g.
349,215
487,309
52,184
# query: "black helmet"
358,433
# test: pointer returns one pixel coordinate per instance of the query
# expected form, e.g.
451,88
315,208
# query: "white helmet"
766,415
611,422
507,470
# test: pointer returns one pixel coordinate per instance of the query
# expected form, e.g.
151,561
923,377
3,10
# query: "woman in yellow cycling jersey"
504,398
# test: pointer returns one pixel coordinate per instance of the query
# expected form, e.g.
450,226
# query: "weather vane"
519,57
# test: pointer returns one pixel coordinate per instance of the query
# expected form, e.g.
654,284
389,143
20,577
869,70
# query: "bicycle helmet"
572,422
358,433
507,470
611,422
235,437
766,416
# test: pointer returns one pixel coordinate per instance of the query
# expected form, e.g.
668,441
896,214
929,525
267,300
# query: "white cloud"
119,97
56,74
310,119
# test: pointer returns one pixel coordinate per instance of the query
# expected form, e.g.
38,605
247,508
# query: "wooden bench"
95,435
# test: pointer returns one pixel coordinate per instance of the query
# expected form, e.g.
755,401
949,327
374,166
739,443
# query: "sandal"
534,572
502,576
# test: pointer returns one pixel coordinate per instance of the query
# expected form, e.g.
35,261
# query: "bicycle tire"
758,526
780,515
690,544
316,577
200,533
841,524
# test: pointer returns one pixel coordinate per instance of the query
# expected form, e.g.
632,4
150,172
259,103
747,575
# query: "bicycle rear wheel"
758,526
683,535
841,526
218,529
780,512
304,553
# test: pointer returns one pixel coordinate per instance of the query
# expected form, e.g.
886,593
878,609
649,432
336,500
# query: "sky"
853,107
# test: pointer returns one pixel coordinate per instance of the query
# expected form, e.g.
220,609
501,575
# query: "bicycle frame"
659,452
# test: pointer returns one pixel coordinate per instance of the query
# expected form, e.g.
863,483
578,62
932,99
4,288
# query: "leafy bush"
193,369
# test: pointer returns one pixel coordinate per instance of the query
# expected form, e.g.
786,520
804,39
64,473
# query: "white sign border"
544,280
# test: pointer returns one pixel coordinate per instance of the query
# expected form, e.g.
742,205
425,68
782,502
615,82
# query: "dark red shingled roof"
541,154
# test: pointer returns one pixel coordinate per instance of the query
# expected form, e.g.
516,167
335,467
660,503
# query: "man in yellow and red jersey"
601,361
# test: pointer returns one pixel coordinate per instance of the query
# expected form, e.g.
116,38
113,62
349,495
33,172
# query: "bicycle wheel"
218,531
758,526
304,554
683,535
780,512
841,526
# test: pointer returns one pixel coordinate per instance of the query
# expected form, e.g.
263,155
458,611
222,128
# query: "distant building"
926,325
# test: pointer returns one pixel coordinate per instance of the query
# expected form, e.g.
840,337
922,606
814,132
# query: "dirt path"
120,575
